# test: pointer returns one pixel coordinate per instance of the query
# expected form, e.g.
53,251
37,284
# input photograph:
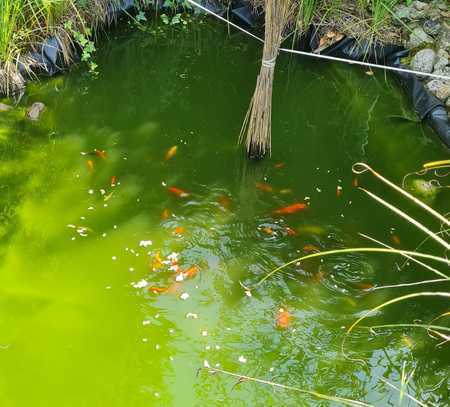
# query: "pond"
100,213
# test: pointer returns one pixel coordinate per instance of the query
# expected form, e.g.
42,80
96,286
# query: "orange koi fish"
156,290
179,230
264,187
100,153
279,165
191,271
113,181
170,153
90,166
355,182
310,248
283,318
224,201
287,210
318,277
338,191
396,240
364,286
157,261
268,230
178,192
291,232
165,214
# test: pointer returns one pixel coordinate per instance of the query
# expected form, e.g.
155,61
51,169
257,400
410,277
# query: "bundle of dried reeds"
256,129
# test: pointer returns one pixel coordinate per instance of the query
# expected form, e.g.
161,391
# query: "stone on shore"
424,60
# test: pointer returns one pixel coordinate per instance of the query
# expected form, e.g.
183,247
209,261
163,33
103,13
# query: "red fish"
290,231
318,277
90,166
287,210
113,181
179,230
283,318
178,192
165,214
156,290
338,191
191,271
157,262
310,248
264,187
364,286
100,153
224,201
268,230
279,165
171,152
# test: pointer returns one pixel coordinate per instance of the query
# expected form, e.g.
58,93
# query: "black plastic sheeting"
48,57
427,106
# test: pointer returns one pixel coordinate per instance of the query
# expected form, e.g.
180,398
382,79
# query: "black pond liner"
427,106
48,57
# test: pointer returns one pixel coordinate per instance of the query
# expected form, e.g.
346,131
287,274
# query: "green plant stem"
356,250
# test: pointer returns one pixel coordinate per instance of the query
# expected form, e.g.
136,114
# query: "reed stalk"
256,128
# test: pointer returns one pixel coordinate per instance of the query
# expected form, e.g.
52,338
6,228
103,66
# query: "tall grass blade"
360,168
417,224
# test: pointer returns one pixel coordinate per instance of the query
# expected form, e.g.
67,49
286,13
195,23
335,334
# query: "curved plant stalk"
432,329
360,168
242,378
424,326
405,255
406,394
432,165
441,232
425,171
446,338
398,299
438,280
417,224
356,250
385,304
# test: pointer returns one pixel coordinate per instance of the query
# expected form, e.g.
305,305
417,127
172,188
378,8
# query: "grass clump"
26,24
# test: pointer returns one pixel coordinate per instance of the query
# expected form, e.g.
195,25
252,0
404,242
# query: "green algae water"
98,227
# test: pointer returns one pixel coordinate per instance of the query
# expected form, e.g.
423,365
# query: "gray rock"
424,61
4,108
419,37
441,89
440,4
441,60
403,13
432,27
418,14
444,38
444,72
447,104
35,110
420,5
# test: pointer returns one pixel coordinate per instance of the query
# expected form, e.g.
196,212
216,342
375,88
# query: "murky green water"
77,327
